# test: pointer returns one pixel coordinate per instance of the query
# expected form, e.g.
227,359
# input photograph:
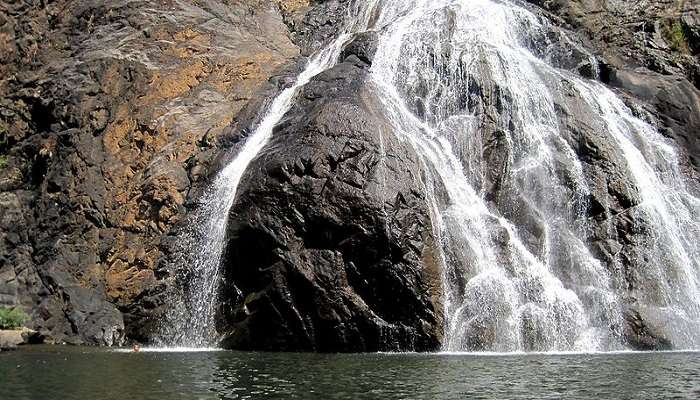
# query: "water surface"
46,372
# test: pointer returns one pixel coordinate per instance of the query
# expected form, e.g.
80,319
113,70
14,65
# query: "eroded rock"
329,241
110,112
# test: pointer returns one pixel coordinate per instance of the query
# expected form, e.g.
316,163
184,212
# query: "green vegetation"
12,318
675,33
3,162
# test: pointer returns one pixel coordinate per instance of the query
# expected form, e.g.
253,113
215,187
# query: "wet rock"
642,336
676,101
363,46
111,115
329,241
319,24
648,49
647,53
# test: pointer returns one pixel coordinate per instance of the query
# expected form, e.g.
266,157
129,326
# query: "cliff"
114,117
111,114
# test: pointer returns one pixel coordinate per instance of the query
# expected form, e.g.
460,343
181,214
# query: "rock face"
330,244
112,114
651,51
109,114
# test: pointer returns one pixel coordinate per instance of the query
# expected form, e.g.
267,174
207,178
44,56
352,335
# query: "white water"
191,323
504,292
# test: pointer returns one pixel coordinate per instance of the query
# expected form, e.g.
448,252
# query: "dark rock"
648,49
319,24
363,46
675,99
32,337
330,241
110,114
647,53
113,118
641,336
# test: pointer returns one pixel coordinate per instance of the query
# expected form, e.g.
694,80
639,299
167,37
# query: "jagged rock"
675,99
110,113
649,49
363,46
318,24
641,336
329,241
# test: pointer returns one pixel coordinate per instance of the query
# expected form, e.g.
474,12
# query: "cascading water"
509,207
518,271
191,322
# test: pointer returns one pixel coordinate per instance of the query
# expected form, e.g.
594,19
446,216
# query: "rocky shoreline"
11,339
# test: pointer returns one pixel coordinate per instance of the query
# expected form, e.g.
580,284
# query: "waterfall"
190,323
511,208
519,274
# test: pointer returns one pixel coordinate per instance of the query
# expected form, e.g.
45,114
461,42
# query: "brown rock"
104,105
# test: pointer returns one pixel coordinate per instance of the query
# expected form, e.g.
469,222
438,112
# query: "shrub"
12,318
675,34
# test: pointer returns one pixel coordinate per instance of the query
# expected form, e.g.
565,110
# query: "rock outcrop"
109,114
330,242
650,50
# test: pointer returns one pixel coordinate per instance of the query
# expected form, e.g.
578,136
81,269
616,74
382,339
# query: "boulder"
10,339
330,244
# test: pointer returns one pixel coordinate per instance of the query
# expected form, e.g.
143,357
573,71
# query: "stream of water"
191,322
505,293
518,270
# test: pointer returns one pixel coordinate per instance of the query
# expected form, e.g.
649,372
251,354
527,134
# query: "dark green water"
82,373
